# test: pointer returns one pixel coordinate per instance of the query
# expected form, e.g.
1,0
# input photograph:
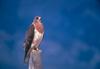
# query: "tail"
27,56
26,60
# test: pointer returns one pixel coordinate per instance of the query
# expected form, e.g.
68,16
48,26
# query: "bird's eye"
37,17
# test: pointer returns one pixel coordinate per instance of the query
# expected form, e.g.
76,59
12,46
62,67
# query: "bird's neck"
39,27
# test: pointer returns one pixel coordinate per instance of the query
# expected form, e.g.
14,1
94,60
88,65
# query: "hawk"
33,37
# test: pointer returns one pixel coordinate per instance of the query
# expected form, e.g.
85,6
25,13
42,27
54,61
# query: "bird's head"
37,18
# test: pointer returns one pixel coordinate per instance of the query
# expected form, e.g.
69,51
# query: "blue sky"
72,36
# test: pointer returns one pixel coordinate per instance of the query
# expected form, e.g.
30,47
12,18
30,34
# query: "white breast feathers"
37,36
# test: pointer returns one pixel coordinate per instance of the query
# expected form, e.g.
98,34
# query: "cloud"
11,55
54,56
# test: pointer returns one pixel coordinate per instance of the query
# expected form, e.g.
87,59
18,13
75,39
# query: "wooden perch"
35,60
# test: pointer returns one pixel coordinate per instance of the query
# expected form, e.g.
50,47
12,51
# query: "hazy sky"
72,36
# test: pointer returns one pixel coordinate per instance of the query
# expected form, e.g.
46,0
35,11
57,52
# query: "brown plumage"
33,37
39,27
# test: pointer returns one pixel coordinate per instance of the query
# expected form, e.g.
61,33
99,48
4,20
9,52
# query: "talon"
36,48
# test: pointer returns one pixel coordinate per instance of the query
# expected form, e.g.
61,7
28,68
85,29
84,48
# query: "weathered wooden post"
35,60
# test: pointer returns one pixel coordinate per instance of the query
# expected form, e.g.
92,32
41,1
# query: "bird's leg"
35,48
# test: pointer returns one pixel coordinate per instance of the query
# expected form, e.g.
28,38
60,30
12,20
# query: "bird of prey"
33,38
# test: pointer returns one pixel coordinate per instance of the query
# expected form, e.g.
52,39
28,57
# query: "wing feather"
28,41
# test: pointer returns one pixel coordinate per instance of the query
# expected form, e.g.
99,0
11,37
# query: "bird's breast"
39,27
37,35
